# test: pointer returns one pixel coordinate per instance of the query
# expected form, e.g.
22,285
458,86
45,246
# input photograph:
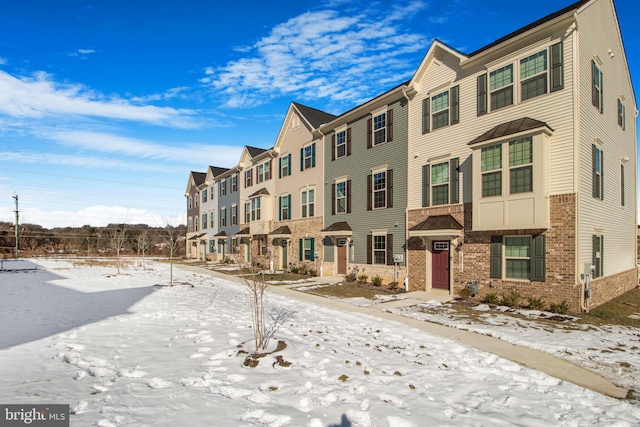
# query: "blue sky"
106,106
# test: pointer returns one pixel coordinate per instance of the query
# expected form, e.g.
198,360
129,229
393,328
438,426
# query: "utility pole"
15,196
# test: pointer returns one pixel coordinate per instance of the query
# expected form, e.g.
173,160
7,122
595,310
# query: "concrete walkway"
531,358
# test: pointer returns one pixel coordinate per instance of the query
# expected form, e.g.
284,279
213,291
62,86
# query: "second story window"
255,209
204,221
307,198
521,166
491,161
212,220
196,198
285,208
247,178
533,75
621,114
234,215
341,144
341,197
223,217
234,183
440,183
223,187
264,172
247,212
379,189
196,224
190,202
204,196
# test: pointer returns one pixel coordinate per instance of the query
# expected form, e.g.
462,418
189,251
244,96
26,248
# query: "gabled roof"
196,179
337,226
221,234
314,116
254,151
510,128
215,170
281,231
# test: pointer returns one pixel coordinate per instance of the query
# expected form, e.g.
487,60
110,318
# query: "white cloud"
40,96
86,51
3,61
323,54
97,216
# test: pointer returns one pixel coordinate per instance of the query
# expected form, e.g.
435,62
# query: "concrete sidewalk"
531,358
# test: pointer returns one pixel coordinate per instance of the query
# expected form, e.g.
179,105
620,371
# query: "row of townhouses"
509,168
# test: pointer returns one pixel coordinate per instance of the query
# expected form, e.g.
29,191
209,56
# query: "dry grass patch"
352,290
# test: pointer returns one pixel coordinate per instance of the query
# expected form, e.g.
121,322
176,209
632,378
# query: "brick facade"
471,261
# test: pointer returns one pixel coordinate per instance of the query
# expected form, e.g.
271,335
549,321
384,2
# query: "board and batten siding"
598,37
554,108
356,167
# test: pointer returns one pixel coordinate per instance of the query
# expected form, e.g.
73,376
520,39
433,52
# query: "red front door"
440,265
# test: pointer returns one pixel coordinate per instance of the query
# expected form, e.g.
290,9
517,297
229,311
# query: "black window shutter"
538,259
369,191
390,125
300,250
349,196
389,244
426,172
594,259
280,208
280,167
482,94
594,175
601,92
333,147
369,127
594,88
390,188
289,165
301,159
369,248
289,206
601,175
601,256
496,257
454,186
348,141
455,104
313,155
557,67
333,199
426,115
313,249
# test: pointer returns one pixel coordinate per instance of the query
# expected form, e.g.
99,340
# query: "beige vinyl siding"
292,141
553,108
617,224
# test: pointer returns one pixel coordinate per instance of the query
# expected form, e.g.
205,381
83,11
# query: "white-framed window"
247,178
622,186
440,110
440,183
196,224
521,165
211,192
263,246
285,165
306,249
234,183
533,75
190,224
517,257
255,209
379,128
204,196
285,208
621,114
598,249
308,157
212,219
379,255
234,215
204,221
597,87
379,187
307,198
341,144
247,212
223,217
341,197
501,87
190,202
223,187
196,198
264,172
491,169
597,172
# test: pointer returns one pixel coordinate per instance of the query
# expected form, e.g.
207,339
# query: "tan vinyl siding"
553,108
597,36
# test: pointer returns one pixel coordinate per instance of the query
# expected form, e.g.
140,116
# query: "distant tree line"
112,240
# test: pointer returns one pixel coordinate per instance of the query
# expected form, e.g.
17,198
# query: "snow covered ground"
123,352
612,351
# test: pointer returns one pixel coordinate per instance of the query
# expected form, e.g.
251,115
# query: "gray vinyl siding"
356,168
227,201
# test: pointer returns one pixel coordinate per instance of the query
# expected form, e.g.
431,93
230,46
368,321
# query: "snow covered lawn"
123,352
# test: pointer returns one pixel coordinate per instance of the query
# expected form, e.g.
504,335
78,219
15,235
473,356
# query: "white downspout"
406,210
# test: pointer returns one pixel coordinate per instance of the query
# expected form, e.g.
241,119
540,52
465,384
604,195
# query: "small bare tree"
257,285
173,240
143,241
117,235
